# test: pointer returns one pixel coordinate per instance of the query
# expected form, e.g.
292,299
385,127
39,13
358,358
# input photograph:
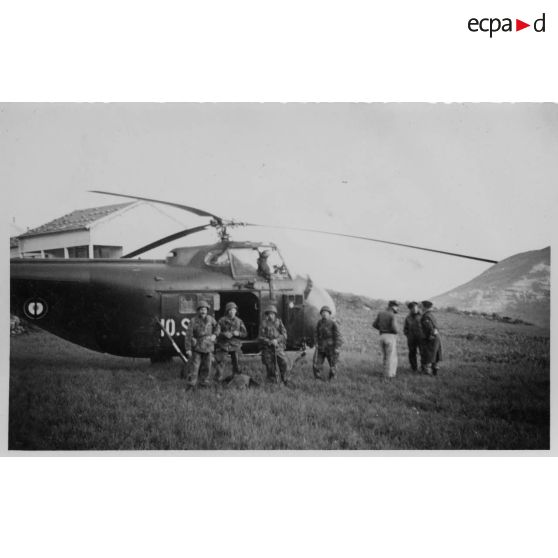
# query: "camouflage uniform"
431,343
264,271
413,331
328,341
273,355
228,346
199,342
263,268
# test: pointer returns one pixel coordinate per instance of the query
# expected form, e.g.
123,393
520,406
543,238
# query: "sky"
478,179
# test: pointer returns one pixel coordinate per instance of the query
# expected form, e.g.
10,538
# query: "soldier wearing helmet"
273,341
263,266
328,342
199,343
264,270
231,331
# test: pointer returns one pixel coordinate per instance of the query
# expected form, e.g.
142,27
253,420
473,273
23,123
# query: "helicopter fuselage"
132,307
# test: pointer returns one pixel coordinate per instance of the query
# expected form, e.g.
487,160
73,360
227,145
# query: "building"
15,231
109,231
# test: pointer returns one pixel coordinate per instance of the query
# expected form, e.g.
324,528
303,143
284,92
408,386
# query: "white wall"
52,241
136,226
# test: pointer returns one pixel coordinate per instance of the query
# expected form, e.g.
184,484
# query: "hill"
518,287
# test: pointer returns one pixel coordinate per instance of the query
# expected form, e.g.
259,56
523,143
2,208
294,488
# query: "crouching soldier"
273,340
328,341
231,331
431,343
199,343
413,331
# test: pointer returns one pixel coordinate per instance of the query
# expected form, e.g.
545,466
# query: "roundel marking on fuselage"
35,308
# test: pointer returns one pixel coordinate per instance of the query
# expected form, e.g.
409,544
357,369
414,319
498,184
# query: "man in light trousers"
385,323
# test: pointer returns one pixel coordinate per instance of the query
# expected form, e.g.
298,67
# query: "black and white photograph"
279,280
279,276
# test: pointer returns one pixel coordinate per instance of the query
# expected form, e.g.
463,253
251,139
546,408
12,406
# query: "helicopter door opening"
177,309
248,311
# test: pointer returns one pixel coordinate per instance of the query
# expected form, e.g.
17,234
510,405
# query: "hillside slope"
518,287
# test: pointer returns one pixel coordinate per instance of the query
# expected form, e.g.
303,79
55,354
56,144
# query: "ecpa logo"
492,25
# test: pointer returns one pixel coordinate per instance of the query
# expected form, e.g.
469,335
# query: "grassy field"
492,393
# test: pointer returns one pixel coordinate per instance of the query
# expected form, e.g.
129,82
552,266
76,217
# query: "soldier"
273,340
199,343
231,331
386,325
431,343
413,331
264,271
328,341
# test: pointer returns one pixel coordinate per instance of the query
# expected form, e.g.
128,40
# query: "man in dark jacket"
413,331
385,323
328,341
431,343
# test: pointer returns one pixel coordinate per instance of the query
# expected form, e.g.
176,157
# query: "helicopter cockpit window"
219,258
277,265
245,262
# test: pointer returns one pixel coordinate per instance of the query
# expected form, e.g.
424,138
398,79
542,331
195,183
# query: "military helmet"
230,305
411,305
427,304
393,303
270,308
265,254
203,304
326,308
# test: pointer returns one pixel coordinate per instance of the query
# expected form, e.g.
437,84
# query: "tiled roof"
14,242
76,220
15,230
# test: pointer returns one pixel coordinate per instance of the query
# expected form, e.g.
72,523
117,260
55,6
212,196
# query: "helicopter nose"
317,298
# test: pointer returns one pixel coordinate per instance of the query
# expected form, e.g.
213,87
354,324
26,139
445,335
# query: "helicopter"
142,308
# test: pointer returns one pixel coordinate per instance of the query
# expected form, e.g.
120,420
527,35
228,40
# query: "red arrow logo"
519,25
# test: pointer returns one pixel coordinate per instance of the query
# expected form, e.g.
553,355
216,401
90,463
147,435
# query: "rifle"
275,365
299,358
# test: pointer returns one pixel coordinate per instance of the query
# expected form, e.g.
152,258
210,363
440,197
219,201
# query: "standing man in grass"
231,331
431,344
328,341
199,343
273,341
385,323
413,331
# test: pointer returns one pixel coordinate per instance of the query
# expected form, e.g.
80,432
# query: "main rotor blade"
161,241
376,240
194,210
